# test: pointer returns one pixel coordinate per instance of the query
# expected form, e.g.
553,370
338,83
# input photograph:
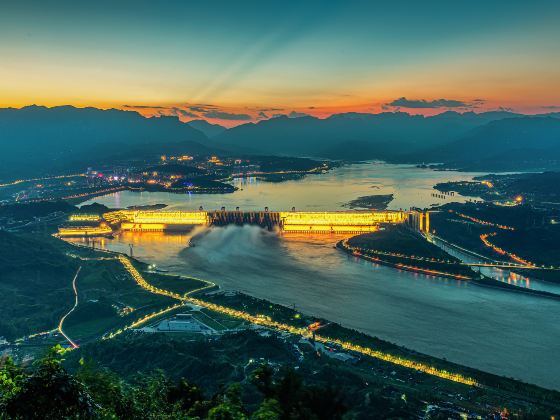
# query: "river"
505,333
411,186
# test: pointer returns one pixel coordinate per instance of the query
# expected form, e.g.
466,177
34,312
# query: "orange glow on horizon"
252,111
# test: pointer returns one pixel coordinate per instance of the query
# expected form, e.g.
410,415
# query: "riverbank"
306,271
284,319
401,248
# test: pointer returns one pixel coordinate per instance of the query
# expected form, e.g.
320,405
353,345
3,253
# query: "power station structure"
285,221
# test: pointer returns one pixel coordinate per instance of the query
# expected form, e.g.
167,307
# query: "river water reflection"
410,185
504,333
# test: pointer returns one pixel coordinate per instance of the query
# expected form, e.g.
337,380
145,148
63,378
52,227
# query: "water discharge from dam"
500,332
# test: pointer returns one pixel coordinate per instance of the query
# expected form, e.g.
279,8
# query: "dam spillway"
287,221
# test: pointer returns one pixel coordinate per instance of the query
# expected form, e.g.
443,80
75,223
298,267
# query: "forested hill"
511,144
35,140
488,141
355,135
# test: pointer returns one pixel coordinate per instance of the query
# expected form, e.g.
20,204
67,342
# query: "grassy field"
109,298
36,289
35,283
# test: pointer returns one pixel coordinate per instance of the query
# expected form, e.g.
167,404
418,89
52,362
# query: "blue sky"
330,55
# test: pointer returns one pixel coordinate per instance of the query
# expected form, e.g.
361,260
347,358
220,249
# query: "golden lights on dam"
337,222
268,322
313,222
333,222
86,231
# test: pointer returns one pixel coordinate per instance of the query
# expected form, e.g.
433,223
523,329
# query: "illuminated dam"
287,221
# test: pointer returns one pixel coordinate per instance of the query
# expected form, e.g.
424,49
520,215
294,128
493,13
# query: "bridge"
286,221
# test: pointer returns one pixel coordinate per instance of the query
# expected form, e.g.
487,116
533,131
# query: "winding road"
72,343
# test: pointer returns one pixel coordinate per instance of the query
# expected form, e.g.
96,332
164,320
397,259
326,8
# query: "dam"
286,221
355,222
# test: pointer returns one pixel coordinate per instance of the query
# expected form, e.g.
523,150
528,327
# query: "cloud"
144,107
183,113
227,116
505,109
198,109
550,107
262,116
292,114
423,103
295,114
201,107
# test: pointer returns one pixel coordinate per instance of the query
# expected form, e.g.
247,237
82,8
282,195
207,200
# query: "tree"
262,379
269,410
108,390
51,392
185,395
11,379
230,406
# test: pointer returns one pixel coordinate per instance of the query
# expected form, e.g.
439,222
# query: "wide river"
501,332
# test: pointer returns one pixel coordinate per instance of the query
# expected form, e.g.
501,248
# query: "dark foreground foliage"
47,390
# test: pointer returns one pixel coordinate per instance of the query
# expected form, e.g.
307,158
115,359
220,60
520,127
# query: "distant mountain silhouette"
355,135
36,140
509,144
210,130
486,141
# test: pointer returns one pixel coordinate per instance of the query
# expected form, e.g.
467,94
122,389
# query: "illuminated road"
21,181
74,345
270,323
521,264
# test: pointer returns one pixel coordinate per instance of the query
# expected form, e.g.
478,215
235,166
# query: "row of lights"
486,242
411,268
19,181
396,254
268,322
81,195
359,253
481,222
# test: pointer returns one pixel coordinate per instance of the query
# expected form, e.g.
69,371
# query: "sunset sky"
233,62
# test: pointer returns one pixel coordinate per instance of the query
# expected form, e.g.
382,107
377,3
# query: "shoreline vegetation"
199,176
370,202
403,249
539,188
516,234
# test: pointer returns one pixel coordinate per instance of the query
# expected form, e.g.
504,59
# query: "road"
72,343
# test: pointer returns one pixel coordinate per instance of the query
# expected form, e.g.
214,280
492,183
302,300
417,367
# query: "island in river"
371,202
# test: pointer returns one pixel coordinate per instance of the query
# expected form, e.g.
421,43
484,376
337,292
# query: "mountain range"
460,140
37,140
523,143
209,130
